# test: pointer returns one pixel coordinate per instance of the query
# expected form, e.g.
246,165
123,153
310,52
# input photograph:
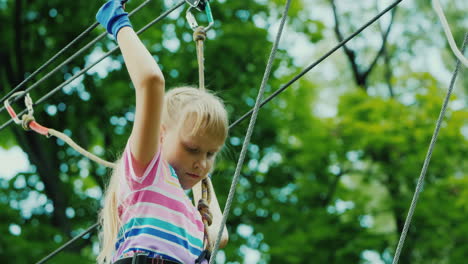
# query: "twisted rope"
240,162
204,209
422,176
199,36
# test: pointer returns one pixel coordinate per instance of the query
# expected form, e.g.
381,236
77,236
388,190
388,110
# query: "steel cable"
253,118
47,63
55,252
422,176
81,72
56,69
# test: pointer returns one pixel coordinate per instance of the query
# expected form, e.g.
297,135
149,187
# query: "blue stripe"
163,225
160,234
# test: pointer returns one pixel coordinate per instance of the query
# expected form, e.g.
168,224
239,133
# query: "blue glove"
112,16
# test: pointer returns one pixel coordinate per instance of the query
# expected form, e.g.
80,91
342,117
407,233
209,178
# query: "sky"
12,161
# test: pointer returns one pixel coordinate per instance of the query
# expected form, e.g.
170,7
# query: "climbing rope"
29,123
253,118
440,12
56,69
207,218
199,36
422,176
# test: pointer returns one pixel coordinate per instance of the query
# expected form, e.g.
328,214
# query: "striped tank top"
158,218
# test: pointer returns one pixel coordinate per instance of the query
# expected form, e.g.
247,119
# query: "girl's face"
192,157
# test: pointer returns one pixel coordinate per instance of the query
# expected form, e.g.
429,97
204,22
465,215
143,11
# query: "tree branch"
388,73
383,46
349,53
18,46
332,187
361,76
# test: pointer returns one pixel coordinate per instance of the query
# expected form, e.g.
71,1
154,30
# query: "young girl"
147,216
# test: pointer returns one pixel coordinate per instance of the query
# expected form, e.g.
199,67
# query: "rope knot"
199,34
205,212
26,120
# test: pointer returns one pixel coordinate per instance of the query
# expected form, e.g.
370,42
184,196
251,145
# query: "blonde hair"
206,114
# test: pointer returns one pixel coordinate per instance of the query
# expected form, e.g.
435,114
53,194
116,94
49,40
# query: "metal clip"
27,101
202,5
198,4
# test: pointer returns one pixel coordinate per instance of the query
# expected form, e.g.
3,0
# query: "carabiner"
198,4
27,101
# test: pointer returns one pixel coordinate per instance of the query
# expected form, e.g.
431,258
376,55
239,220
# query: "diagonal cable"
317,62
78,74
422,176
55,252
250,129
76,54
47,63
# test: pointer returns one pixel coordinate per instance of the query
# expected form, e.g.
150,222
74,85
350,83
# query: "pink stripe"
195,229
148,196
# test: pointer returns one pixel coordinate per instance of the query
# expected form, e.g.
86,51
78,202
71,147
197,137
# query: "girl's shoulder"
139,175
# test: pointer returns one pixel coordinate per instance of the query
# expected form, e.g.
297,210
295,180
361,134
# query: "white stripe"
158,206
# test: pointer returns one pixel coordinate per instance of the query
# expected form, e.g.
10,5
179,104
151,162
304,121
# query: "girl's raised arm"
149,89
146,77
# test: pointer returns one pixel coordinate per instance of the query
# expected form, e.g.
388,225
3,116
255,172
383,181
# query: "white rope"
448,33
81,150
427,160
